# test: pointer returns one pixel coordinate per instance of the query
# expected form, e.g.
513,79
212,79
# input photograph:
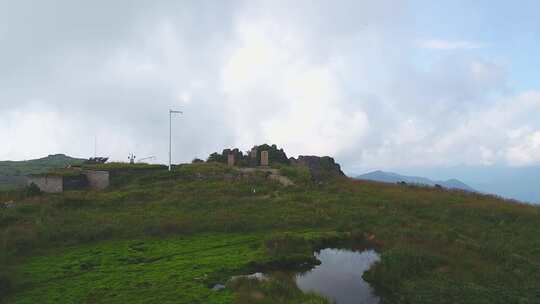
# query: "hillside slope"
168,237
12,172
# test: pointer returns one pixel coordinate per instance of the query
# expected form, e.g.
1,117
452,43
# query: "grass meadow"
167,237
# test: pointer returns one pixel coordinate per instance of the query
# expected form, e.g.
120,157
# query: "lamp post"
171,112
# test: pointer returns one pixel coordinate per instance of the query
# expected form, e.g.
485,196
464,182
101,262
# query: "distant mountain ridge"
12,172
390,177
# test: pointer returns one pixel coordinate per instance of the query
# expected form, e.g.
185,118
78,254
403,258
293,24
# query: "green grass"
173,270
116,166
278,288
168,270
436,246
62,172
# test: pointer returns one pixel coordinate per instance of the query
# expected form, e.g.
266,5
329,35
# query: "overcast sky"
376,84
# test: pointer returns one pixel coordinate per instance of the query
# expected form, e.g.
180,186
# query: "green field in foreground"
160,237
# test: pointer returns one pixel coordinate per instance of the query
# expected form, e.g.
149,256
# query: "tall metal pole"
170,134
170,137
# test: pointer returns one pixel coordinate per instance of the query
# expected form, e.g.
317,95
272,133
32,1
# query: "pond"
339,276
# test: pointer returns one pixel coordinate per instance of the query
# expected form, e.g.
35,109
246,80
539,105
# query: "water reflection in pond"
339,276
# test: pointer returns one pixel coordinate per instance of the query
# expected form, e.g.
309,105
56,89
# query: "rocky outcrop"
320,167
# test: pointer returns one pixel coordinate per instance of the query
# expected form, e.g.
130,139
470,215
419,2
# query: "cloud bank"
314,77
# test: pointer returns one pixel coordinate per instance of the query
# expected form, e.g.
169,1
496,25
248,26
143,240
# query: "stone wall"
49,184
75,182
97,180
230,160
264,158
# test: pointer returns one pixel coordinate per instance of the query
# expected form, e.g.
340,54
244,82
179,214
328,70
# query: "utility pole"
170,133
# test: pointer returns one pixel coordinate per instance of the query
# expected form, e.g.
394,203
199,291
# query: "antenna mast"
170,133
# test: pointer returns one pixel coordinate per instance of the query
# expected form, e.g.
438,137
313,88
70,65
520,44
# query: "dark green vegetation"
252,157
12,172
161,237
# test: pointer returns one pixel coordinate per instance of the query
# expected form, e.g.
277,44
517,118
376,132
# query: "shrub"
32,190
5,285
398,265
275,156
216,157
296,173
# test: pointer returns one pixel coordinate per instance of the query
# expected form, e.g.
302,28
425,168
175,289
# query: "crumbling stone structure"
252,158
253,155
54,183
264,158
49,184
230,160
320,168
97,180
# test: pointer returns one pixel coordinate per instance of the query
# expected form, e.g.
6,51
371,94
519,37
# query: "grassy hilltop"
12,172
167,237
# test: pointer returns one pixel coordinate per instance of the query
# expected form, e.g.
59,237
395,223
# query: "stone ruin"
253,157
320,167
264,159
261,155
253,162
83,180
230,159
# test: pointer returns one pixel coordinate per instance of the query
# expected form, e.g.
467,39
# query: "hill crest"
391,177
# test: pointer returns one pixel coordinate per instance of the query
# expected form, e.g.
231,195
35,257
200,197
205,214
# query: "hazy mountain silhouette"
390,177
520,183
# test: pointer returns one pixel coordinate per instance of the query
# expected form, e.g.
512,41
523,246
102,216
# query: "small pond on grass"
339,276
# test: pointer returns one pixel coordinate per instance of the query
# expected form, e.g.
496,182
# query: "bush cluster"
5,285
275,156
32,190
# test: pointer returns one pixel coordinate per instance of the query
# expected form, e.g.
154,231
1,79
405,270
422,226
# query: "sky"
375,84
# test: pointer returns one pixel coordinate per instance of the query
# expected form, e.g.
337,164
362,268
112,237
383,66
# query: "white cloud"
184,97
313,78
281,95
526,151
41,130
445,45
